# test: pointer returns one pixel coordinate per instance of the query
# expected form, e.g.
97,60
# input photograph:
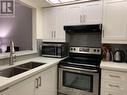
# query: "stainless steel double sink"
12,71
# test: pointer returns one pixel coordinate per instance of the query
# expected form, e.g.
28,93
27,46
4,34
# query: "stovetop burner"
82,57
79,61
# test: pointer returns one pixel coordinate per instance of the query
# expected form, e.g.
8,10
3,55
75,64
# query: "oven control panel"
86,50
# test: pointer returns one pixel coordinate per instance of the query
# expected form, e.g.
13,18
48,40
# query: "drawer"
114,76
110,92
115,1
113,86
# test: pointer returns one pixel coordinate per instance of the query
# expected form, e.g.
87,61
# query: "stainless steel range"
79,73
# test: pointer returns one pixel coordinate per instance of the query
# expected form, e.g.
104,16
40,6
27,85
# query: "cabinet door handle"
84,18
39,81
111,85
103,31
52,34
115,76
80,18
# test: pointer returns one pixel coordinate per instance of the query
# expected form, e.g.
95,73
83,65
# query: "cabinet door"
74,14
48,82
53,22
25,87
113,82
5,92
48,23
93,13
60,22
115,21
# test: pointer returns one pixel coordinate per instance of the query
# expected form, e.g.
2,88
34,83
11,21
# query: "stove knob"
71,49
94,50
98,50
74,49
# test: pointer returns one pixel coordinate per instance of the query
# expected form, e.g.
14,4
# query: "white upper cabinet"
53,22
93,13
74,14
114,21
85,13
48,23
60,22
55,18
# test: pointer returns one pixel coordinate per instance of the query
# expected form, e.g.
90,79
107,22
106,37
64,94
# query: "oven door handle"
79,69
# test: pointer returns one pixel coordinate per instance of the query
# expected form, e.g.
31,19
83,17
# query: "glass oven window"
78,81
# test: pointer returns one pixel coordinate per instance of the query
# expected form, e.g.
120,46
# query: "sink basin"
10,72
30,65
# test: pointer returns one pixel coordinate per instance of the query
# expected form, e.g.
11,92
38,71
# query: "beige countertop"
7,82
114,66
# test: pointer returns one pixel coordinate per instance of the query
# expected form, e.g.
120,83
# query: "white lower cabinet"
44,83
4,92
113,83
48,83
25,87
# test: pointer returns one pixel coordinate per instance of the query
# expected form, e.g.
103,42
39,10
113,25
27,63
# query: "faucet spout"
12,52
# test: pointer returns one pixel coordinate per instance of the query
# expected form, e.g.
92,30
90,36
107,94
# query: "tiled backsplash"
113,47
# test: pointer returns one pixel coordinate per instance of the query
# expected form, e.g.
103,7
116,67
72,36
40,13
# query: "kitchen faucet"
12,54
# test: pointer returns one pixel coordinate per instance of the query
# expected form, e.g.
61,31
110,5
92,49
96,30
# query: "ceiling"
45,3
41,3
36,3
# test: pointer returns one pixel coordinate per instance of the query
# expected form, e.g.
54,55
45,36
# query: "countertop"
114,66
7,82
19,53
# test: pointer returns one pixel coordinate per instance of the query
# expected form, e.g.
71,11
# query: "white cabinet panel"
113,82
48,23
60,22
44,83
115,21
48,82
55,18
53,21
85,13
5,92
74,14
94,13
25,87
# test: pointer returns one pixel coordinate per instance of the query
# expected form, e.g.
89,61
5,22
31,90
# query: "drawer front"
114,86
115,1
110,92
114,76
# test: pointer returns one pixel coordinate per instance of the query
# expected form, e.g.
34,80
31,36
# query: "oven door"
78,82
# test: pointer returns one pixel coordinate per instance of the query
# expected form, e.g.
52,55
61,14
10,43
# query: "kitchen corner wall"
18,28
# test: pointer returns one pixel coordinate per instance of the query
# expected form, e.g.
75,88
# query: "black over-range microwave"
58,50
